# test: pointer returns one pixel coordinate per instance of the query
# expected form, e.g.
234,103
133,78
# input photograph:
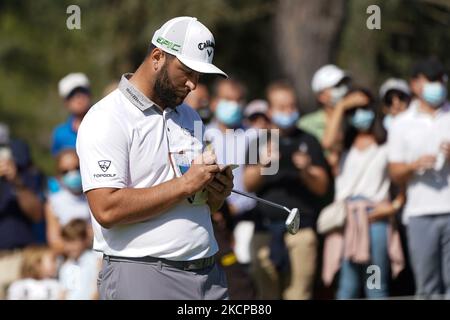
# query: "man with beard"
150,189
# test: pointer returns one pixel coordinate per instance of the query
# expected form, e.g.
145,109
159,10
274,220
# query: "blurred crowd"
368,171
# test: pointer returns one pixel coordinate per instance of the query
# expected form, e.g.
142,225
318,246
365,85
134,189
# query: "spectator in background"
198,99
21,200
363,182
38,275
69,202
75,90
330,84
255,114
419,156
227,104
395,96
78,274
302,179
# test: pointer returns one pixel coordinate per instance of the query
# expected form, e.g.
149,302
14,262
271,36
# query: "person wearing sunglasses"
69,202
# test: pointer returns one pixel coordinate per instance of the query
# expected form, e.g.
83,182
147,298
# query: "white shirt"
79,278
67,206
364,173
412,135
124,142
31,289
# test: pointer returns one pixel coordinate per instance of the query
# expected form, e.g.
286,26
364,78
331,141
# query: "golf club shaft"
270,203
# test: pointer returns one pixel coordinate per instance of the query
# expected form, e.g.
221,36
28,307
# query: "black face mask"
165,90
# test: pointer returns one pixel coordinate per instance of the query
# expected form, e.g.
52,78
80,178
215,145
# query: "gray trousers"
429,249
123,279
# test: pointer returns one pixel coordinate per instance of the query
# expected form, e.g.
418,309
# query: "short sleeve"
396,145
102,146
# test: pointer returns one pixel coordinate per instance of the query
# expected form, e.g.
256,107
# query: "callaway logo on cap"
190,41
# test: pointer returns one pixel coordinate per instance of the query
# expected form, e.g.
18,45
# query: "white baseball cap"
257,106
190,41
72,81
326,77
394,84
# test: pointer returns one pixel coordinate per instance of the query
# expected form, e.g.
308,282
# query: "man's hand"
301,160
201,172
219,188
8,169
424,163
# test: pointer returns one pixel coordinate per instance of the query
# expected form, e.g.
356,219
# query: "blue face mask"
434,93
285,120
72,180
229,113
362,119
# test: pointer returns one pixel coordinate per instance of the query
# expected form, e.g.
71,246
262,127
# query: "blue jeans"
353,275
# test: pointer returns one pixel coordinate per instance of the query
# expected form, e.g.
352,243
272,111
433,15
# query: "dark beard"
164,90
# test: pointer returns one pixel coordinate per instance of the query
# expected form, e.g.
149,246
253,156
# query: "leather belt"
183,265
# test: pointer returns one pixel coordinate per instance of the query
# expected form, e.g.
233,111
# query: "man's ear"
157,58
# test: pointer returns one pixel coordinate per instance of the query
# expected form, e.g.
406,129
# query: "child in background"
78,274
38,281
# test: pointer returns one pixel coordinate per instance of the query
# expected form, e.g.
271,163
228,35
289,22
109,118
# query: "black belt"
183,265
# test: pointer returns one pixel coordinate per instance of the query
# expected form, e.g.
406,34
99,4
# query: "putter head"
293,221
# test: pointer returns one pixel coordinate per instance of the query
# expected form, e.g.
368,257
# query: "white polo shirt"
124,142
412,135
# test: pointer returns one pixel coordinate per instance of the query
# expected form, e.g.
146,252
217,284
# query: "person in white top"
38,279
146,179
78,273
363,179
419,154
69,202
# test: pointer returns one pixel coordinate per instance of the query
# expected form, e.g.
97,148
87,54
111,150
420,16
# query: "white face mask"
337,93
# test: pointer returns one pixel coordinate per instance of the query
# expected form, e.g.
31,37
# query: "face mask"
387,121
434,93
72,180
285,120
205,114
338,93
362,119
229,113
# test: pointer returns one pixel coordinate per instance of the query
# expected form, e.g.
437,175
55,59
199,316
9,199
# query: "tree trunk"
306,34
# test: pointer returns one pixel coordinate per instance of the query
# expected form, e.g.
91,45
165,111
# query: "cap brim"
202,67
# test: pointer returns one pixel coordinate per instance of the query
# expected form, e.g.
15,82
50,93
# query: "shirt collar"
136,97
415,111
